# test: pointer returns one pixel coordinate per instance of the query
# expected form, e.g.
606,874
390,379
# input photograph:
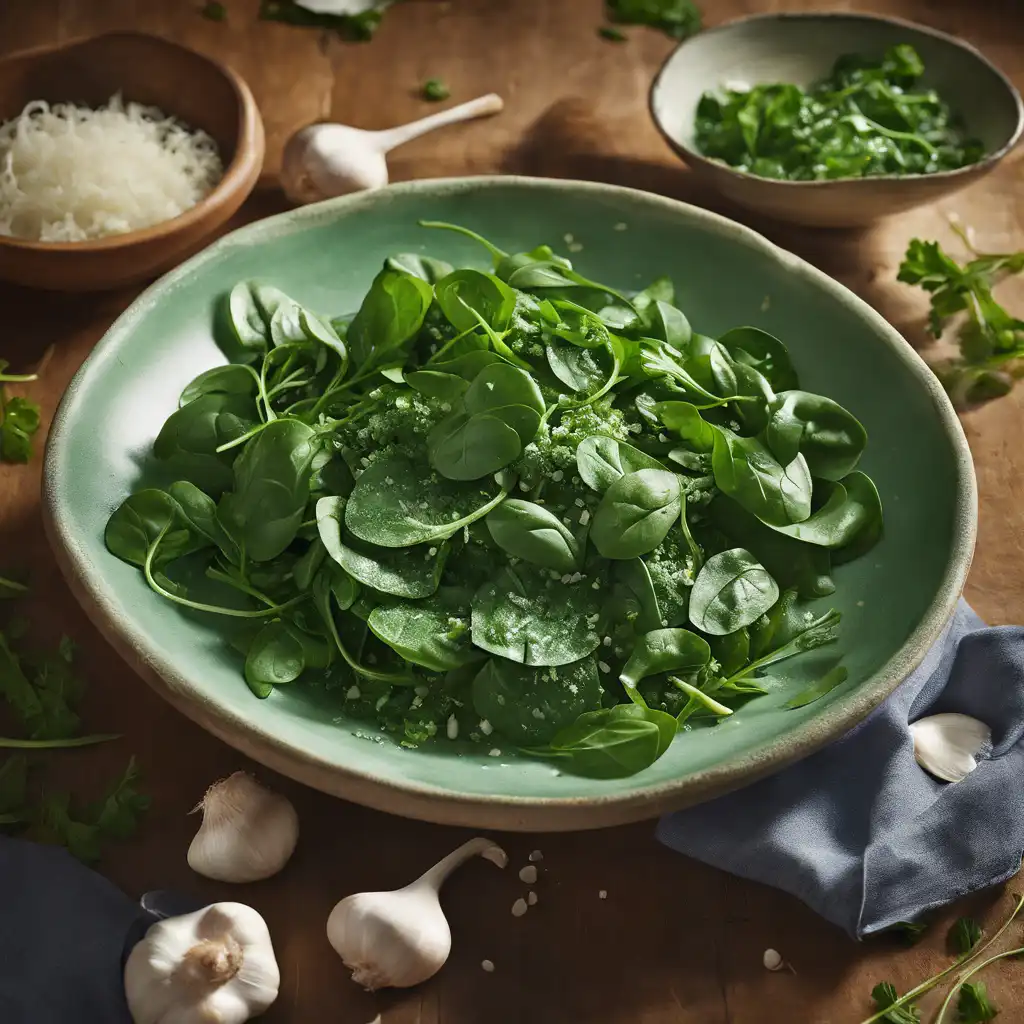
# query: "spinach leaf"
747,471
636,513
531,705
233,379
634,578
508,394
406,572
579,369
207,422
612,743
861,494
469,298
826,684
526,616
247,321
664,650
829,438
602,460
424,267
391,315
731,591
143,519
433,633
397,503
448,387
272,475
844,516
529,531
750,346
276,657
199,511
464,447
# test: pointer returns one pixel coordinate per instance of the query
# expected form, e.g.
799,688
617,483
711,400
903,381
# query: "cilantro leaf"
116,815
884,994
973,1005
677,18
214,11
19,421
964,935
43,704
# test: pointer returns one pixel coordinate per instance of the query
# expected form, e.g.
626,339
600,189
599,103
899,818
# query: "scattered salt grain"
453,727
519,907
603,894
487,965
494,753
531,898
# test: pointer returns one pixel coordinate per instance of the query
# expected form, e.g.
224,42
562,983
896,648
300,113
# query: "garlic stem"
435,877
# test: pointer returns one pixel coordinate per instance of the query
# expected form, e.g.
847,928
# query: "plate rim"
410,798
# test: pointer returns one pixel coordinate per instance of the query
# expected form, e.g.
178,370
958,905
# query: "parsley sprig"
19,418
991,340
973,1004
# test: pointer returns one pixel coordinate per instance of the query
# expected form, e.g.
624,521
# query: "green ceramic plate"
894,602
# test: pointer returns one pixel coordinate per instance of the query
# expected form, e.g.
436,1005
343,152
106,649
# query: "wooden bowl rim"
249,148
964,173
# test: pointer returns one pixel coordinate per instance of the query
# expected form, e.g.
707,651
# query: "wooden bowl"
201,92
801,48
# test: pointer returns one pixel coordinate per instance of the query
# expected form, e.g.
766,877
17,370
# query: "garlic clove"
345,7
248,831
399,939
947,745
216,964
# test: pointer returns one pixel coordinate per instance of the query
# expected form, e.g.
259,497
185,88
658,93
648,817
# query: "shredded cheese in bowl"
70,173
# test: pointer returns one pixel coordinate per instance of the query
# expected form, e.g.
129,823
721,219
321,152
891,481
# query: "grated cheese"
70,173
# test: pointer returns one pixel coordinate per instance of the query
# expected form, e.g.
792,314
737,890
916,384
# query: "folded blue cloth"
858,831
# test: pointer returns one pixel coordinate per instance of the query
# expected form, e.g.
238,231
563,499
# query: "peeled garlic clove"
248,831
946,745
399,939
217,964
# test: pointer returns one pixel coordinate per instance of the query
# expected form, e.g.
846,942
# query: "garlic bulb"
398,939
946,745
248,832
216,965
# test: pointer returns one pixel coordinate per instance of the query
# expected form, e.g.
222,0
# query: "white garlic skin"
216,966
248,831
326,160
946,745
390,939
399,939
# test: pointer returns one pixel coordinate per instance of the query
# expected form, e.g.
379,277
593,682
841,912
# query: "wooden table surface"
675,942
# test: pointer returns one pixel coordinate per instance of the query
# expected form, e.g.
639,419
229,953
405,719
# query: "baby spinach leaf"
531,532
272,476
612,743
276,657
634,577
826,684
748,472
424,267
664,650
685,419
406,572
732,590
200,513
579,369
464,447
391,315
468,297
763,352
141,521
509,394
247,321
233,379
636,513
433,633
862,494
448,387
602,460
320,331
829,438
208,421
397,503
526,616
843,516
670,325
531,705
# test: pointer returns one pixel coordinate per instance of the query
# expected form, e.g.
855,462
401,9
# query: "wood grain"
684,946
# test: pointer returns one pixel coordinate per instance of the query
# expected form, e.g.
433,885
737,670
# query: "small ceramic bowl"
801,48
201,92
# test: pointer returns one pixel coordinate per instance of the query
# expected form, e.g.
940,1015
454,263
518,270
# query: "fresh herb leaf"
964,935
676,18
884,994
909,931
435,90
19,418
973,1004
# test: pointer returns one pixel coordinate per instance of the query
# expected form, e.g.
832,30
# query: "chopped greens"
517,502
19,418
868,117
435,90
991,340
677,18
41,692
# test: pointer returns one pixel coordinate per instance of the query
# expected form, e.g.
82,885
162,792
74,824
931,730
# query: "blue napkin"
858,831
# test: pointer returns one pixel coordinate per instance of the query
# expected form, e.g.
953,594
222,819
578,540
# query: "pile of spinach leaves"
869,117
514,502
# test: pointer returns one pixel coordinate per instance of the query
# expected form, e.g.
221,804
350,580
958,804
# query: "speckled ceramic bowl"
894,602
801,48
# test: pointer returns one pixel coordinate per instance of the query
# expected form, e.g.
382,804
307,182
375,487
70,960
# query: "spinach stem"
7,743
